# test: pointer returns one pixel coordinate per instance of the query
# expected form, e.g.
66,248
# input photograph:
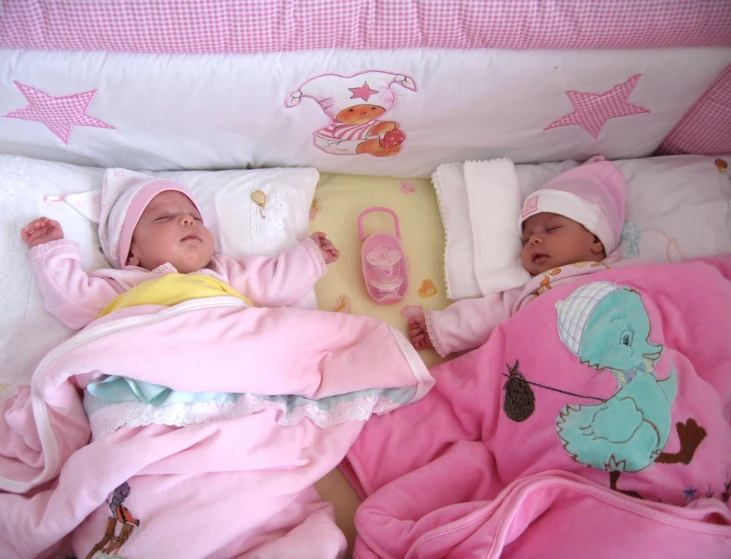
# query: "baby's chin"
190,267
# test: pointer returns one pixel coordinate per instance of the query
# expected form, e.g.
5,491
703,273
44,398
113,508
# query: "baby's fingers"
416,336
29,233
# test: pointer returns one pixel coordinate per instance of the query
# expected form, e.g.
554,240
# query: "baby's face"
359,114
171,230
551,240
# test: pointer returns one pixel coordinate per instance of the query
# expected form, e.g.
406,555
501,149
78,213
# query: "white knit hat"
574,311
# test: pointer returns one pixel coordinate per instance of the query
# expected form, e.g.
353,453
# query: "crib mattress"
339,200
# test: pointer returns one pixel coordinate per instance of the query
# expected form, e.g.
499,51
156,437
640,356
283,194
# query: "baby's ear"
597,247
132,259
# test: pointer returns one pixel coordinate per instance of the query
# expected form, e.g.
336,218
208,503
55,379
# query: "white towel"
480,202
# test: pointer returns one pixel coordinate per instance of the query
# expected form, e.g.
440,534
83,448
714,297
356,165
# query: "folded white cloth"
479,202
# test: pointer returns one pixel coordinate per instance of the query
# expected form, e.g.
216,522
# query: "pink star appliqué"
363,92
60,114
593,110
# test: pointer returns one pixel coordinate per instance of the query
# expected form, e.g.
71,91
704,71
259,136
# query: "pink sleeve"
70,294
467,324
279,281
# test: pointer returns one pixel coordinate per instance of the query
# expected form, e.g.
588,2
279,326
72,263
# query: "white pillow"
28,332
678,207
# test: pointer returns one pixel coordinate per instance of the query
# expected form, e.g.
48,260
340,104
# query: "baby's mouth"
191,237
538,257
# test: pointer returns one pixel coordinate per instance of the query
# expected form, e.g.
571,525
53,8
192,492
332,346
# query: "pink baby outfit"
467,324
77,298
278,397
593,195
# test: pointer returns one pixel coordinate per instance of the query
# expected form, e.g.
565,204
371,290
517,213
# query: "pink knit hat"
591,194
125,196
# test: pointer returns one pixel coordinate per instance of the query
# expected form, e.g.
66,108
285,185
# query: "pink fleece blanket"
229,484
594,423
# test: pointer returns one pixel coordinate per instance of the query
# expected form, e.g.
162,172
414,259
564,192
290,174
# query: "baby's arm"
284,279
463,325
69,293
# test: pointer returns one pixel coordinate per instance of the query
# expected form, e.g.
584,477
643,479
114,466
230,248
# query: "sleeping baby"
570,227
154,230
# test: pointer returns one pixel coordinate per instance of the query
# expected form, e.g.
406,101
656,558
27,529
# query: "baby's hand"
418,333
40,231
329,253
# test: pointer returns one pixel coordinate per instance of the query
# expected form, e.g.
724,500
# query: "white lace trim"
441,202
45,246
431,331
160,271
316,253
106,419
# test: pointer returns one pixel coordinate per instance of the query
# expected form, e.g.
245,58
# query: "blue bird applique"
607,327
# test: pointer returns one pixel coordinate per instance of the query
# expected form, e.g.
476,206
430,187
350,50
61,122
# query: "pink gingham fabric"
59,114
235,26
706,127
592,110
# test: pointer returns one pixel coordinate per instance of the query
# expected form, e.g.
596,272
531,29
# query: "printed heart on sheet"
427,289
411,310
342,304
407,187
314,209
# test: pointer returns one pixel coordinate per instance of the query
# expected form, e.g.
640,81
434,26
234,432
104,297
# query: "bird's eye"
626,338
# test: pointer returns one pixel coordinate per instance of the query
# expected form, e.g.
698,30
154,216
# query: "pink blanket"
594,423
237,480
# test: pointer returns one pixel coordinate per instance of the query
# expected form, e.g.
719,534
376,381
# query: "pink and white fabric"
224,485
698,131
77,298
558,438
60,114
592,111
334,92
467,324
335,131
229,26
567,98
592,194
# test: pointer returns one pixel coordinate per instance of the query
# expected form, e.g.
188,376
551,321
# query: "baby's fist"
329,253
418,333
40,231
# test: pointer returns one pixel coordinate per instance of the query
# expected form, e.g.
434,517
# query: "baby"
149,230
569,227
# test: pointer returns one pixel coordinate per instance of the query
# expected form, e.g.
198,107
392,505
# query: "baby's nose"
187,220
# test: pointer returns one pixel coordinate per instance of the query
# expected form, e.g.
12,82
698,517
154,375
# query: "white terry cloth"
478,202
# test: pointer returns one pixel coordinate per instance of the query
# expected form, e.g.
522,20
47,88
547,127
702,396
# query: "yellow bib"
172,289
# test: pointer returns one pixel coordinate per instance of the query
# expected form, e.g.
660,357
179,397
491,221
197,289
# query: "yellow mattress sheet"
339,200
